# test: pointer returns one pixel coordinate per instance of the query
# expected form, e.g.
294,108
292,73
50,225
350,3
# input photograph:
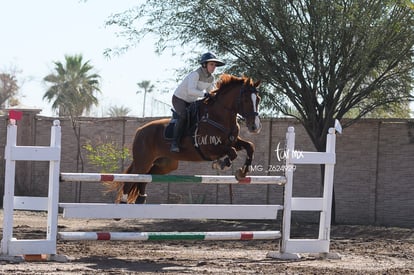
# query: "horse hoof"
240,174
224,167
141,199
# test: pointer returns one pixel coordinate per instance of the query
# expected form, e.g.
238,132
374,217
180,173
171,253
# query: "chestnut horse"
215,136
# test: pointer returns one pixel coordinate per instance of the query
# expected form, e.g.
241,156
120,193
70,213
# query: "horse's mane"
226,80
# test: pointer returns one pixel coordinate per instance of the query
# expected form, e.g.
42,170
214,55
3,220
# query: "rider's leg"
178,131
180,107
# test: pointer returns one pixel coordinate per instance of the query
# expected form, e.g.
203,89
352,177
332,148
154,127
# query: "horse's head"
240,96
248,108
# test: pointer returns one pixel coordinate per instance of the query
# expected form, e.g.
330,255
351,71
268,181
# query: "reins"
239,107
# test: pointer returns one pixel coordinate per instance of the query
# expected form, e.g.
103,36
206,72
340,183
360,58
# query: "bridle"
239,109
239,102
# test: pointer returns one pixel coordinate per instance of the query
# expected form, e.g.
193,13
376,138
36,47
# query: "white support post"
9,179
287,204
53,193
11,247
325,217
290,248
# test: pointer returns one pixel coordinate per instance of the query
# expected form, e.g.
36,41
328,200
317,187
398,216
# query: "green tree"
319,58
115,111
108,156
8,89
73,86
392,110
148,88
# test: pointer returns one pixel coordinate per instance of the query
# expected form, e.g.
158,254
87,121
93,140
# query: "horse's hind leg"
128,192
135,192
161,166
124,187
141,196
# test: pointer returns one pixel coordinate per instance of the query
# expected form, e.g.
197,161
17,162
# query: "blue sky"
34,34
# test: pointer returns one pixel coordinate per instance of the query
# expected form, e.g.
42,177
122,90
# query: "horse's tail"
119,187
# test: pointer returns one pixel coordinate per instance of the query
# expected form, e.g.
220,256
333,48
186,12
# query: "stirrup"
174,147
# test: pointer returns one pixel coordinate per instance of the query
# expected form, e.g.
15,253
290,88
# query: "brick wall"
373,175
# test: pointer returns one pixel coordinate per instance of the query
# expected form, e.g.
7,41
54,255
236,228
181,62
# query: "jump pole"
168,236
205,179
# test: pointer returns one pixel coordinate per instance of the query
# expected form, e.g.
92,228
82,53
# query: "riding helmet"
210,57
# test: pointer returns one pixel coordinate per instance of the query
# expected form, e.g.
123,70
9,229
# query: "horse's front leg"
225,163
249,147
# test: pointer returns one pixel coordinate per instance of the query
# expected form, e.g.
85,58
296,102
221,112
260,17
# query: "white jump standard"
289,248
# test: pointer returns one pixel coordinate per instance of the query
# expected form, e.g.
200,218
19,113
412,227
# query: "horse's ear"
257,83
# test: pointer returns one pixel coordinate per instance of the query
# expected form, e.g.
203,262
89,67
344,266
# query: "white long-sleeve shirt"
195,85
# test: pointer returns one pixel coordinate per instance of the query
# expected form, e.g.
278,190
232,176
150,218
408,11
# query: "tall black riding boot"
178,130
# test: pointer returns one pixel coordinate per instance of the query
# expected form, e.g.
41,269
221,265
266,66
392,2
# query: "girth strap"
201,153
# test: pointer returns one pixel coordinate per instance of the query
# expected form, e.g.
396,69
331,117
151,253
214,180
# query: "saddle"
192,119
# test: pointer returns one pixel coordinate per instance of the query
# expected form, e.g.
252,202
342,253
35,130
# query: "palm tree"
73,89
73,86
148,88
115,111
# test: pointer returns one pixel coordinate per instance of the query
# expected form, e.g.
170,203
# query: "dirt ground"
363,249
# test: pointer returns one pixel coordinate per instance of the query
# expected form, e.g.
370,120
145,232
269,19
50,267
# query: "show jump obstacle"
289,248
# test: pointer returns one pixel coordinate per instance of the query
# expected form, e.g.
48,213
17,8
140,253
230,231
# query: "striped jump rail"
207,179
163,236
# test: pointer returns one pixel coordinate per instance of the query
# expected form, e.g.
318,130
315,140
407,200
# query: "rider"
196,85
